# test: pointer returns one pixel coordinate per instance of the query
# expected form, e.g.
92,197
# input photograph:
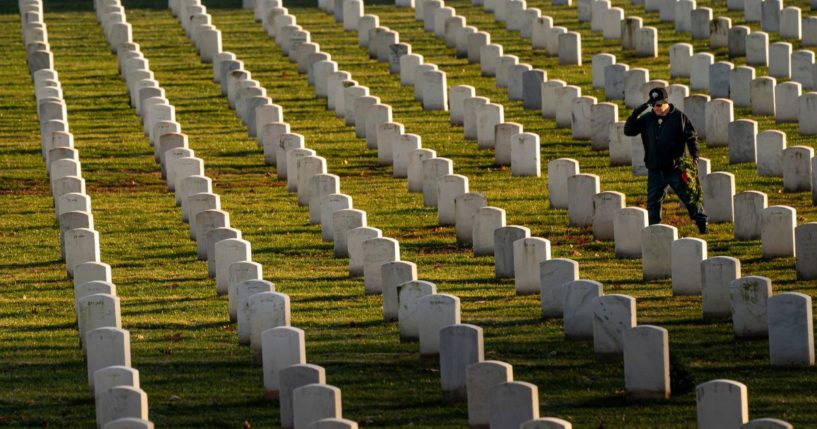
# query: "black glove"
642,107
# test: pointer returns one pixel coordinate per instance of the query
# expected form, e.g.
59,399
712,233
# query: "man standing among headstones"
666,133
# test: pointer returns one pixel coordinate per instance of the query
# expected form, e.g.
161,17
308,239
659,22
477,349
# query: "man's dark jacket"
663,142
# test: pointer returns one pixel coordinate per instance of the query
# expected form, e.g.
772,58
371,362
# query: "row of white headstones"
119,401
154,121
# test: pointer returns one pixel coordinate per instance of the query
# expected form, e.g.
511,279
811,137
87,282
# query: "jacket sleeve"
690,137
632,127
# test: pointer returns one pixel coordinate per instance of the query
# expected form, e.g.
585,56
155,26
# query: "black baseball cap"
657,96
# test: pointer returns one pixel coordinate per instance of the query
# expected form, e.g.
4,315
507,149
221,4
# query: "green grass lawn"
190,364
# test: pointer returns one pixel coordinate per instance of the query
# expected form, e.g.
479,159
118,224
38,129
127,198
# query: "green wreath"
690,182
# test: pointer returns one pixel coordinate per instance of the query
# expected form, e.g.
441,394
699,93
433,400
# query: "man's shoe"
702,227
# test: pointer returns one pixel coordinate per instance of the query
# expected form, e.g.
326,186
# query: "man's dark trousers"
657,182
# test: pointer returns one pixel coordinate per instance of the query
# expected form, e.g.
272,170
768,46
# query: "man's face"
661,108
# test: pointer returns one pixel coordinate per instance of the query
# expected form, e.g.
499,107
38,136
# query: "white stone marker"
719,192
489,58
314,402
466,207
581,117
282,347
394,274
719,114
581,189
354,242
487,118
646,42
329,205
433,169
226,253
306,167
796,163
612,315
787,105
344,221
627,226
244,292
612,23
605,205
695,106
614,76
749,306
435,92
291,378
808,110
99,310
629,26
719,73
550,97
749,206
456,101
770,146
212,237
687,256
512,403
646,362
554,274
563,107
81,246
388,134
449,187
109,377
239,272
780,60
528,253
757,48
532,88
762,95
504,239
435,312
634,79
656,247
599,63
516,74
376,252
92,272
205,222
717,275
602,118
475,43
721,404
481,377
577,304
805,251
106,347
777,231
680,59
415,168
461,345
740,86
719,32
699,71
321,185
408,315
120,402
742,136
486,221
570,49
737,40
470,107
791,332
525,155
406,145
